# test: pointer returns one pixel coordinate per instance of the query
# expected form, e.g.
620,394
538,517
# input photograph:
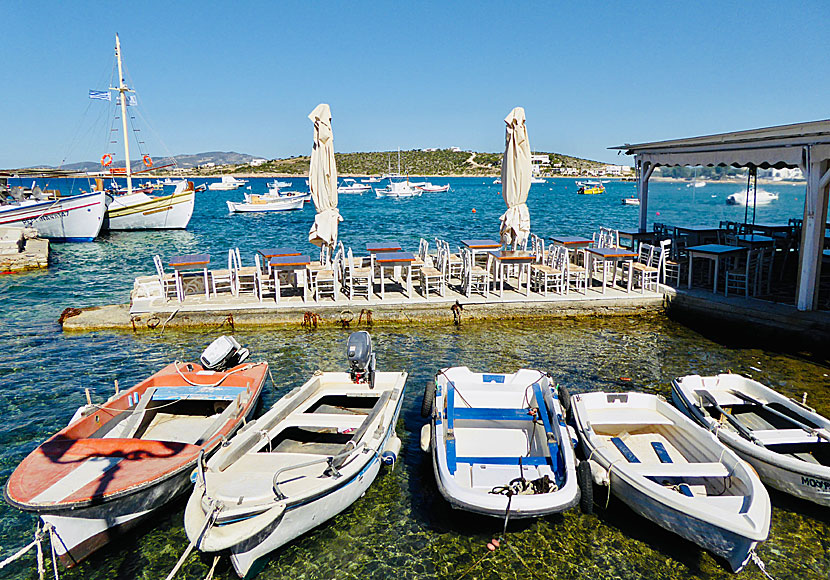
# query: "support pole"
812,232
645,171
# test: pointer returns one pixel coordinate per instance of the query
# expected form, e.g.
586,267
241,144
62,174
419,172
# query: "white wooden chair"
743,277
325,281
168,282
434,278
642,270
246,278
550,275
422,258
265,281
223,280
575,274
357,280
476,278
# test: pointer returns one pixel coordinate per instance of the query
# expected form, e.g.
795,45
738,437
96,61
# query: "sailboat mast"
122,90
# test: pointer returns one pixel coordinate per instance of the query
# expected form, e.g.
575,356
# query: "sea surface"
402,527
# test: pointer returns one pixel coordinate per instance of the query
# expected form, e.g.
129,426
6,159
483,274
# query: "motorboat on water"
140,211
497,181
696,184
786,442
537,180
633,200
499,443
670,471
398,189
116,463
590,187
351,186
268,202
430,188
761,197
276,184
74,218
275,191
227,183
312,455
372,179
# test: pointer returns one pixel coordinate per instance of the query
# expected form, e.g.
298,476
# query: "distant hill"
186,161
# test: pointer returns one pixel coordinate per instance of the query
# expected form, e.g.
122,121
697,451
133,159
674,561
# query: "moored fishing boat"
351,186
668,470
268,202
633,200
430,188
75,218
398,189
116,463
499,443
590,187
314,453
227,183
787,443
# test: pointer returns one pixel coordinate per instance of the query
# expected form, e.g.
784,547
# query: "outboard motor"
361,358
223,353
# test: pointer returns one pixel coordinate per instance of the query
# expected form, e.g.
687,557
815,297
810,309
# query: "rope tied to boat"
215,508
756,559
40,532
222,380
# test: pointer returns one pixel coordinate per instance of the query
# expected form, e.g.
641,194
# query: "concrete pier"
21,249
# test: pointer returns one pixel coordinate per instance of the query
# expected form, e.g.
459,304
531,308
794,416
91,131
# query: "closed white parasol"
515,179
322,179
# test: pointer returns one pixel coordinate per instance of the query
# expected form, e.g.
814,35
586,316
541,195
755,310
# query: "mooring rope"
756,559
215,509
39,533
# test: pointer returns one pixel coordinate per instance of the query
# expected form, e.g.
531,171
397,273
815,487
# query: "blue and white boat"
312,455
499,443
75,218
672,472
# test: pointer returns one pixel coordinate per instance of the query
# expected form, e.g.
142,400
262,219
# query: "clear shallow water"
402,527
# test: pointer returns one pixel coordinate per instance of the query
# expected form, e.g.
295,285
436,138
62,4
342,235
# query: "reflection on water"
402,527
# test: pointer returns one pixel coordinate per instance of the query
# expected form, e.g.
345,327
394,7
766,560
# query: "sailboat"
398,188
134,209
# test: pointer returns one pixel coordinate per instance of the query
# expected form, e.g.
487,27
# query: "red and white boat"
430,188
115,463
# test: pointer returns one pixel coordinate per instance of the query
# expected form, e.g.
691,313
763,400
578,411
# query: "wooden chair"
422,258
169,282
574,274
222,280
325,281
434,278
265,282
246,278
550,275
643,270
455,265
740,277
476,280
357,280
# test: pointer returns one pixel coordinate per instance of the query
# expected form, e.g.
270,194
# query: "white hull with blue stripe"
672,472
304,461
500,444
76,218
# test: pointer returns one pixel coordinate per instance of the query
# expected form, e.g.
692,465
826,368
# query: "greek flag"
102,95
132,101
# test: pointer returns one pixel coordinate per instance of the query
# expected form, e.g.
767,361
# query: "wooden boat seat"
323,420
197,394
785,436
626,417
491,414
679,469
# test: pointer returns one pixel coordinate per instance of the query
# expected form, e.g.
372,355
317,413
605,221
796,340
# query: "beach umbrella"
515,179
322,179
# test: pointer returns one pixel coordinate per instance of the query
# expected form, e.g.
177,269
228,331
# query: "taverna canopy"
322,179
515,179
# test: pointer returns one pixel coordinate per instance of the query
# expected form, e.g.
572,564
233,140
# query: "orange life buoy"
147,161
106,160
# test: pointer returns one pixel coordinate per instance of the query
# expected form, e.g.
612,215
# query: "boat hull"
286,205
139,211
77,218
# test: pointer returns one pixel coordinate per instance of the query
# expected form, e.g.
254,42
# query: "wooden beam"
812,232
646,169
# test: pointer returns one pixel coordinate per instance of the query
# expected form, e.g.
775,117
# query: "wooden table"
481,246
518,257
296,264
607,255
571,241
712,252
269,253
393,260
769,229
754,241
698,234
377,247
190,263
634,236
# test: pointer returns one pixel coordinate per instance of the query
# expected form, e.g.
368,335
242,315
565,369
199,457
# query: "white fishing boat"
672,472
227,183
312,455
786,442
761,197
398,189
351,186
268,202
696,184
275,191
430,188
537,180
372,179
499,443
135,208
497,181
74,218
115,464
633,200
278,184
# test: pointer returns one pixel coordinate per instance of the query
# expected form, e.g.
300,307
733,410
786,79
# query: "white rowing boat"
499,443
787,443
75,218
314,453
268,202
672,472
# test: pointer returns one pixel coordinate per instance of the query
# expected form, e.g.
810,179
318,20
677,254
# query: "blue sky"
243,76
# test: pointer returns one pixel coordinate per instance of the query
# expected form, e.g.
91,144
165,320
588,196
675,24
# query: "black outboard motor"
361,358
223,353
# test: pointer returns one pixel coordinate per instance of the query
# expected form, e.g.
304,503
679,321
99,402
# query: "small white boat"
537,180
268,202
227,183
312,455
430,188
351,186
499,443
787,443
696,184
372,179
672,472
398,189
115,464
762,197
140,211
633,200
75,218
497,181
278,184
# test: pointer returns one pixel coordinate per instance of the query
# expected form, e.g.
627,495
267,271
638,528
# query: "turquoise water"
402,526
